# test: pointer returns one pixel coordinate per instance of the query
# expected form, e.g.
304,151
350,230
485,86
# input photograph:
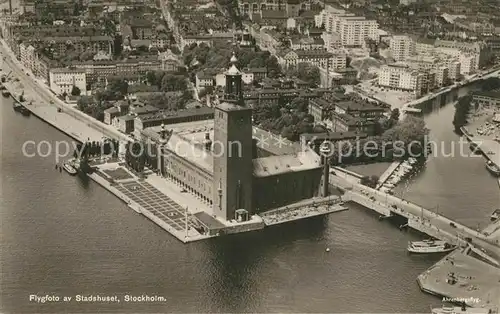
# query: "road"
419,215
46,95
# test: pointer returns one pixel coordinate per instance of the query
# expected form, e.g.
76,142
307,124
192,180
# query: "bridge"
418,217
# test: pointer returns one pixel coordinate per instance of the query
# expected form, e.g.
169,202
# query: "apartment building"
62,80
468,64
98,70
292,7
402,47
352,29
400,77
441,76
319,58
27,55
453,66
422,62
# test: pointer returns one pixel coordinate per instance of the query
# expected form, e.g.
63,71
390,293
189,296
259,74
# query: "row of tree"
202,56
406,138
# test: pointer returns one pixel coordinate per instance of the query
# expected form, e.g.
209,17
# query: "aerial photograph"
250,156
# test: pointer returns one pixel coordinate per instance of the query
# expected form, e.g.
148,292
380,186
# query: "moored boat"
24,111
492,168
430,246
495,215
70,169
474,147
16,106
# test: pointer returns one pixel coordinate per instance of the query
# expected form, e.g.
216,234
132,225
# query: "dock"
490,148
387,174
303,210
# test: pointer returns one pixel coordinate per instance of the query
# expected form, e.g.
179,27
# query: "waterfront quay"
461,276
164,202
303,209
487,144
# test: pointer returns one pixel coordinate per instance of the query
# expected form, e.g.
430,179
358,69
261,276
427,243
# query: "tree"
395,114
75,91
172,82
462,109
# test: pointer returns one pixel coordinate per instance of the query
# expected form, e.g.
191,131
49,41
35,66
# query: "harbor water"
67,236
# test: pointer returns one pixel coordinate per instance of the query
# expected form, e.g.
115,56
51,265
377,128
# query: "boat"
492,168
24,111
474,147
460,309
16,106
69,169
430,246
495,215
407,166
389,185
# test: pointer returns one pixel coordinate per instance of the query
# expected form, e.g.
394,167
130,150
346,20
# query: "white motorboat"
460,310
69,169
430,246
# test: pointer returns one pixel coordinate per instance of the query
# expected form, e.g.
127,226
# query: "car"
453,225
183,191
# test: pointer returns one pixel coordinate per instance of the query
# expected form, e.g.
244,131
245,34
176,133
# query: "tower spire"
234,90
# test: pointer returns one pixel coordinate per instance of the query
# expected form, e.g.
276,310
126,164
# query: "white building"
319,58
402,47
62,80
27,55
400,77
453,68
352,29
468,64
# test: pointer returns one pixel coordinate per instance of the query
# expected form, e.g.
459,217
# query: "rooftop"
270,166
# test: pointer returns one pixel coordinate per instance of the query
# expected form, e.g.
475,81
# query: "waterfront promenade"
45,96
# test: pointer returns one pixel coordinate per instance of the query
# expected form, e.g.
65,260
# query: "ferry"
69,169
495,215
461,310
430,246
492,168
